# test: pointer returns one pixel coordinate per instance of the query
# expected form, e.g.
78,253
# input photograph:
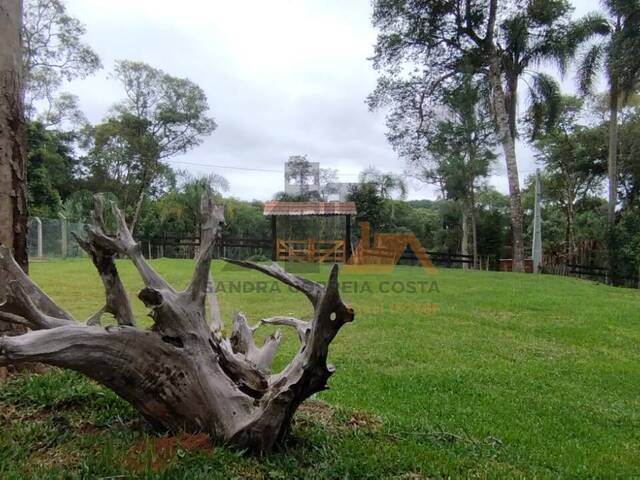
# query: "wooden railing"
311,250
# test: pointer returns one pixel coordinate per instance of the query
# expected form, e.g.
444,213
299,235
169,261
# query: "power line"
246,169
209,165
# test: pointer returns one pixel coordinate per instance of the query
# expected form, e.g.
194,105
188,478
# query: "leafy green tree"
615,54
429,43
574,162
246,219
160,117
51,169
386,183
493,222
458,152
628,163
178,210
122,161
369,204
53,52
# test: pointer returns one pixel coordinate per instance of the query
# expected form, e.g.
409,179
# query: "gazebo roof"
309,208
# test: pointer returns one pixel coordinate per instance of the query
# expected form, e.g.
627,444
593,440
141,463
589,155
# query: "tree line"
452,75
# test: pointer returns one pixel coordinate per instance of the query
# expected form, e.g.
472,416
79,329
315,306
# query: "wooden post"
347,238
274,239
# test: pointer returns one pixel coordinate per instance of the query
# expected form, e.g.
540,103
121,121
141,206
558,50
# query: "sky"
283,77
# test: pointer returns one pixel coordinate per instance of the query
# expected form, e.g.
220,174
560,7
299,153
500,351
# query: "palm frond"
588,26
546,102
590,64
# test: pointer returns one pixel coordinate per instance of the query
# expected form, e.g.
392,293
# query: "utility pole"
536,250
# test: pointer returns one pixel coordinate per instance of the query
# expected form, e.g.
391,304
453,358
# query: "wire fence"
53,238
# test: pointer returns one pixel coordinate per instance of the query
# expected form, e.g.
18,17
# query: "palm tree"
616,55
540,33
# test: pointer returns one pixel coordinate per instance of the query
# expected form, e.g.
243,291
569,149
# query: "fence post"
63,235
39,229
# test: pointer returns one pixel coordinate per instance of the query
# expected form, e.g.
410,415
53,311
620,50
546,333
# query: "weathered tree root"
182,374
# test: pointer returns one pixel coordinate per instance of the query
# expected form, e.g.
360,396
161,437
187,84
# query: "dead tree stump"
182,374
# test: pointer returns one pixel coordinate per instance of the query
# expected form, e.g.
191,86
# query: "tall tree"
13,138
13,146
161,116
448,143
53,53
573,160
460,153
299,171
616,54
431,42
386,183
182,204
52,169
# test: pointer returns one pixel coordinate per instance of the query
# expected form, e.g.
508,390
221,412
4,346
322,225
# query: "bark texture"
13,136
506,129
182,374
509,149
13,140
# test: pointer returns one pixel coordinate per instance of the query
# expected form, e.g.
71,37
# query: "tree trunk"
13,136
182,375
509,149
465,236
13,141
571,236
474,226
511,104
613,181
138,209
474,233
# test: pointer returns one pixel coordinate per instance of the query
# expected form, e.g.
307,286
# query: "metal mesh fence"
52,238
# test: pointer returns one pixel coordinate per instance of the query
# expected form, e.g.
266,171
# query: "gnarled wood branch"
103,258
182,374
301,326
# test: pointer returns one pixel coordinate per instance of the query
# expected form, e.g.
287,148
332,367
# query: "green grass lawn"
486,375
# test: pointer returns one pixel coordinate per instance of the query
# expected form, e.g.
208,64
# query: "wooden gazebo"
310,249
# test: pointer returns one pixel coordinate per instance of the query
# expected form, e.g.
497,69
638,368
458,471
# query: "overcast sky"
283,77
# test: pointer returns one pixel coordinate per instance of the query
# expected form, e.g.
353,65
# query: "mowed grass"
458,374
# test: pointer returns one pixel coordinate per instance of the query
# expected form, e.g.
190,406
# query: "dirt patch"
157,454
316,412
363,420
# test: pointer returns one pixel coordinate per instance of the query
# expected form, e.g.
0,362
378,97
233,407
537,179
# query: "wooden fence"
589,272
309,250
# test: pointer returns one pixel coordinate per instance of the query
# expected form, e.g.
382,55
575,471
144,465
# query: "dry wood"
182,374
